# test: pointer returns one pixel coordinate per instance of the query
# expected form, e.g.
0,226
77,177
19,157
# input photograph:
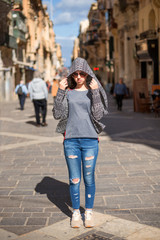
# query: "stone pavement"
35,203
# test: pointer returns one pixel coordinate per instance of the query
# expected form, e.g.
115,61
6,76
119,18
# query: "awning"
144,56
147,50
30,68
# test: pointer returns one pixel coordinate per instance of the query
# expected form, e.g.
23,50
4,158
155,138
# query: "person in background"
38,93
108,87
120,90
55,86
48,84
80,103
21,91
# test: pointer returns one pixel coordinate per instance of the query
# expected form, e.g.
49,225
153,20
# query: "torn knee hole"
72,156
88,166
89,158
75,180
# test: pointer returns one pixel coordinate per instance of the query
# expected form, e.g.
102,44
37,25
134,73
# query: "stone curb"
103,223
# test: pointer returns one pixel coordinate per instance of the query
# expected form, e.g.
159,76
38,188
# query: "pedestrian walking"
55,86
38,93
21,91
80,104
120,90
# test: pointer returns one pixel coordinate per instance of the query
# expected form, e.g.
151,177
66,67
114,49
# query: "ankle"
88,210
76,210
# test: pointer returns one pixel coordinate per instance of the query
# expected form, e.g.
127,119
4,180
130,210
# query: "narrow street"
34,179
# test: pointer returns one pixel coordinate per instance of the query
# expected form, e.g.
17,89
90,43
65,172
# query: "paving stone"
39,215
56,219
36,221
4,214
21,193
21,215
13,221
33,209
4,192
21,230
12,209
122,199
9,203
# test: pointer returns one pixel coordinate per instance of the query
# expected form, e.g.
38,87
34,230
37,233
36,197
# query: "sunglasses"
82,74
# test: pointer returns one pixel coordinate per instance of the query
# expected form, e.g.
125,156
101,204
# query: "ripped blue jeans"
81,152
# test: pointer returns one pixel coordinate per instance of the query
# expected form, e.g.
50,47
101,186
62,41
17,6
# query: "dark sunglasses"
82,74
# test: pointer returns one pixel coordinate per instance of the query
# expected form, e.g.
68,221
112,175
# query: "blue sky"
66,16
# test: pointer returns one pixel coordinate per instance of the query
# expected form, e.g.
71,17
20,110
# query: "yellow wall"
144,12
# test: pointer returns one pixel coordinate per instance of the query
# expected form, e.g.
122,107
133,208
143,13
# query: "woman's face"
80,77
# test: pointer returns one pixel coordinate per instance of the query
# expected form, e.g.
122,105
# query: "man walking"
120,91
39,94
21,91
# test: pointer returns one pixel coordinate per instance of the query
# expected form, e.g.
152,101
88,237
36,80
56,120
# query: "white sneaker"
76,219
89,221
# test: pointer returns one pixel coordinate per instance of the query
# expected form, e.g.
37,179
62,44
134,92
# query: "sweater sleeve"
58,105
97,106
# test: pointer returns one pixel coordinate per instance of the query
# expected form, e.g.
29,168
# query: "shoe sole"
89,226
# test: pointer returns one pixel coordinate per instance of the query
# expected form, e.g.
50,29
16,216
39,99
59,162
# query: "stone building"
137,41
12,47
81,49
125,60
27,43
92,39
76,49
5,50
19,27
41,46
148,43
96,39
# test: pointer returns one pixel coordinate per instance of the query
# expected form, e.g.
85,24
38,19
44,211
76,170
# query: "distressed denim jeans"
81,153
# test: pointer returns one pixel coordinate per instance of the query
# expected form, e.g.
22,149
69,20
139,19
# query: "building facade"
125,60
8,46
148,43
27,43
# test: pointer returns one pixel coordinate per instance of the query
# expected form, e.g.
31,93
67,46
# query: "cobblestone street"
34,179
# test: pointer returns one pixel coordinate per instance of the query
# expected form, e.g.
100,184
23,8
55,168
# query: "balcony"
19,34
19,26
148,34
123,4
92,37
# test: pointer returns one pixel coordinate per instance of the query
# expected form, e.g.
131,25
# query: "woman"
80,103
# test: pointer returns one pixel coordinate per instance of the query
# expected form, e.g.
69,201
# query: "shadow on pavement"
131,127
32,123
31,116
57,192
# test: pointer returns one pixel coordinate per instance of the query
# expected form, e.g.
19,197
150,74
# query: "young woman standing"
80,103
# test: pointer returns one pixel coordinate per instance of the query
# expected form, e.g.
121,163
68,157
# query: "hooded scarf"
80,64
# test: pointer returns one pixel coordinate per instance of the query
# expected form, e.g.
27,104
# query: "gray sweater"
37,89
99,103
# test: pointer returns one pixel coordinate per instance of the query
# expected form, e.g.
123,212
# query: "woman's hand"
93,84
63,84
